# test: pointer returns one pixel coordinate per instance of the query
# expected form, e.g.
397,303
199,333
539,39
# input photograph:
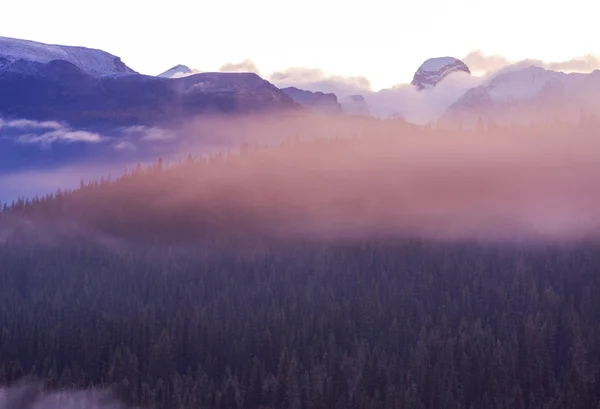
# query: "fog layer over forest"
387,266
389,178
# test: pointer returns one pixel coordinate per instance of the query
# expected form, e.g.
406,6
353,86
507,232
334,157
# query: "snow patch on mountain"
97,63
437,64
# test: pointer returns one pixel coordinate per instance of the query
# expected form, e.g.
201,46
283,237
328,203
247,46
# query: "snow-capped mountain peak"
434,70
97,63
177,71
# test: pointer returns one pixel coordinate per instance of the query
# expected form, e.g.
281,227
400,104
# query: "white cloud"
313,79
149,133
29,124
63,135
421,106
186,74
246,65
480,63
134,129
48,132
124,146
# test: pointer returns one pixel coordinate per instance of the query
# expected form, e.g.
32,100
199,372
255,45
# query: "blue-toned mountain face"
59,90
64,104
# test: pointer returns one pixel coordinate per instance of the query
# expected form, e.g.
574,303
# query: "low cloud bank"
44,133
312,79
147,133
34,396
403,100
29,124
39,157
61,135
246,65
538,182
481,63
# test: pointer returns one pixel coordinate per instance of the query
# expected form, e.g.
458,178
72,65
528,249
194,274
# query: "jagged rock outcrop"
326,103
434,70
355,105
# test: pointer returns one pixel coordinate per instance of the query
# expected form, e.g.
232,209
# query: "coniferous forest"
260,279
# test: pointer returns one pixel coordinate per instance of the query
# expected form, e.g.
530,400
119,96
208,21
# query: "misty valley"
234,240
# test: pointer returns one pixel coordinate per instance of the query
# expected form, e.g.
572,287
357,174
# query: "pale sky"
383,40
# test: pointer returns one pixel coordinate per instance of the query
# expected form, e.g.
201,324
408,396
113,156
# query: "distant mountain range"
329,103
316,101
92,88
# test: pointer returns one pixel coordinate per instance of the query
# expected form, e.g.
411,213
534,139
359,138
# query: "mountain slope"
531,94
87,87
93,62
59,90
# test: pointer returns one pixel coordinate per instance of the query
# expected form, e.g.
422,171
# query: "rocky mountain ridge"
93,62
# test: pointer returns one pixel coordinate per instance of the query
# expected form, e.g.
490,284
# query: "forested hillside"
308,276
370,325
